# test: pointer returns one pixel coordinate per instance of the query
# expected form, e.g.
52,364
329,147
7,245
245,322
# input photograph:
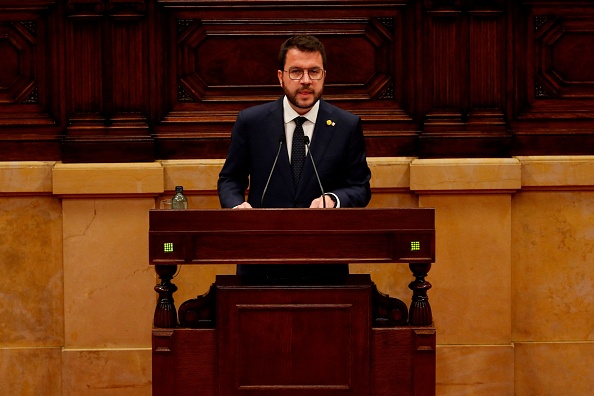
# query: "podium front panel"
293,340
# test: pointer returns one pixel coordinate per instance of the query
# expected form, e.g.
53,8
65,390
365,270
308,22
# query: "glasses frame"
303,71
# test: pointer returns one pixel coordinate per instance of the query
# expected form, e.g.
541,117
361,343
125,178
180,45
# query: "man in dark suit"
263,150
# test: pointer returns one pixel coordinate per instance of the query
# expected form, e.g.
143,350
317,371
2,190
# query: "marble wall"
513,284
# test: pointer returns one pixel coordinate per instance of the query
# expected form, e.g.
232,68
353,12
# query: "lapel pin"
330,122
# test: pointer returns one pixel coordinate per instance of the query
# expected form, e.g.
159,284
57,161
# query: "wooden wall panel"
464,44
225,59
107,79
29,127
139,80
557,116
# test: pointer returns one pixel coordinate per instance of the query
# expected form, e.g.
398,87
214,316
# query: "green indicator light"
415,245
168,247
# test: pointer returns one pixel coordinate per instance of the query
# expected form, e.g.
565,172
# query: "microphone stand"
280,145
306,141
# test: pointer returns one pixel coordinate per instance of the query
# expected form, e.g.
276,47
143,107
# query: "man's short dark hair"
303,44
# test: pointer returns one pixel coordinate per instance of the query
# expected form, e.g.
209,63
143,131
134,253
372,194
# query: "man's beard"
292,97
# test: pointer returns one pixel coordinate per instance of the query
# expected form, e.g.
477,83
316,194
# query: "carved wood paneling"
135,80
225,59
28,123
559,43
464,44
107,79
556,115
298,358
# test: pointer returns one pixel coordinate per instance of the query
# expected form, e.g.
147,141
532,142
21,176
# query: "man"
263,153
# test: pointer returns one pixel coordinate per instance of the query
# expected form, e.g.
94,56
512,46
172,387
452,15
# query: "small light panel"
415,245
168,247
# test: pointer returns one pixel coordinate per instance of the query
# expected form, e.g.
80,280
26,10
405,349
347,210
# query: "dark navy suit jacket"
337,147
339,153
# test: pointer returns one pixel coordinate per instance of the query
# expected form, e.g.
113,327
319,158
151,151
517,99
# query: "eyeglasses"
297,74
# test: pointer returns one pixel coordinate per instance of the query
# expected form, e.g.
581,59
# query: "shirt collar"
290,114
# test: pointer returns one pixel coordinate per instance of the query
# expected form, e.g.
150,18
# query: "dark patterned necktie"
298,150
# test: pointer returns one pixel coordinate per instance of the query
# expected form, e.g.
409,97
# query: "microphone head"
306,139
282,139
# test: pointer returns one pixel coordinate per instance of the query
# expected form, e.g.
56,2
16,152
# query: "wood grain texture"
139,80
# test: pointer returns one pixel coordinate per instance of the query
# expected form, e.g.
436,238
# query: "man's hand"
319,203
243,205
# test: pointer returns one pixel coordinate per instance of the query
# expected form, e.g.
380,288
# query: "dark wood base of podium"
293,340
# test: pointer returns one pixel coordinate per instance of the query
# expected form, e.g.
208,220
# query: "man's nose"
305,78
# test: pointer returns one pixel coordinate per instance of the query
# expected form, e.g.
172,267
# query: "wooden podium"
256,337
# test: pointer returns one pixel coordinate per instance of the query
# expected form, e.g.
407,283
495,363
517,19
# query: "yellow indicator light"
415,245
168,247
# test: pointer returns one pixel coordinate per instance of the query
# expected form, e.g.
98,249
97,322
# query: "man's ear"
280,77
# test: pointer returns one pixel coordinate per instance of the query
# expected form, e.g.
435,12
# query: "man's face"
305,92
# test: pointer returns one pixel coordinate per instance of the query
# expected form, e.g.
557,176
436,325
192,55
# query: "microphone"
306,141
281,140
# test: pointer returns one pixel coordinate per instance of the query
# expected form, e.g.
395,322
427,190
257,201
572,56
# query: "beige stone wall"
513,283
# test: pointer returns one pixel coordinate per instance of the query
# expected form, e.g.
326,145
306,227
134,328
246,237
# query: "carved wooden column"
165,313
420,310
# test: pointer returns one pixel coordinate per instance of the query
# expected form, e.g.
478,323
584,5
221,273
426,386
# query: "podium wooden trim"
395,346
259,236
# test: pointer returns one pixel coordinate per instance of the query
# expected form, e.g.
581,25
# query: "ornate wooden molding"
387,311
126,8
87,9
98,8
32,98
541,20
432,5
199,312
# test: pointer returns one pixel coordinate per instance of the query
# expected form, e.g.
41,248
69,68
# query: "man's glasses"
297,74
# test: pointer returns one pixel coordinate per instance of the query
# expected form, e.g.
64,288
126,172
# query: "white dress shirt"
308,126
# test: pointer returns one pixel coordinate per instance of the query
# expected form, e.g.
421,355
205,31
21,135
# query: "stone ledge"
557,171
467,175
194,175
107,178
491,175
26,177
390,172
